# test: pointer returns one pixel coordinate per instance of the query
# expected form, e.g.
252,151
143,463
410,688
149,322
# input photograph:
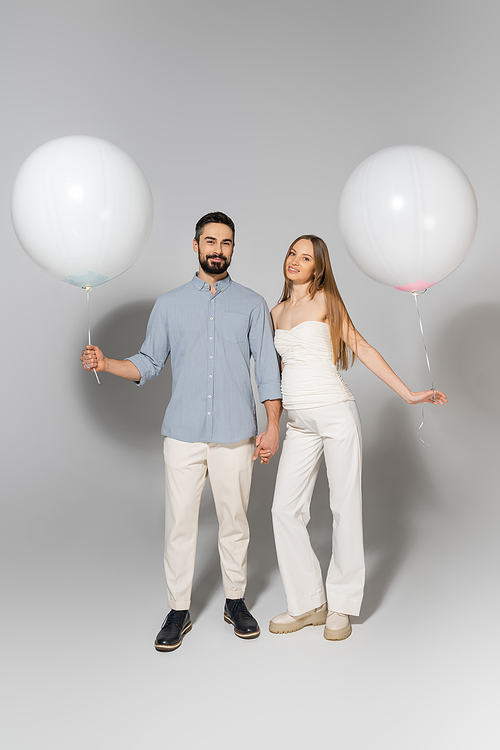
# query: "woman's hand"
424,397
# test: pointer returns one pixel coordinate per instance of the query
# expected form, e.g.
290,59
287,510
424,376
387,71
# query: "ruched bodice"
310,376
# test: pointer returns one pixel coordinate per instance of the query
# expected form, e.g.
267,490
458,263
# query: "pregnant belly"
309,387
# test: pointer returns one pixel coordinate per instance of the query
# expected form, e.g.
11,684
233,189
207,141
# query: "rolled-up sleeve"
151,358
267,374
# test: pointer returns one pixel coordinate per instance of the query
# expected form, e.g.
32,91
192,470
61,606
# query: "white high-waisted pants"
187,466
336,430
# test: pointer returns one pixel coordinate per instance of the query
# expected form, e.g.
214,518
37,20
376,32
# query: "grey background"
261,110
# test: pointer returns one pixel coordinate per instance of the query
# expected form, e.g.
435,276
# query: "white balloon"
408,215
82,209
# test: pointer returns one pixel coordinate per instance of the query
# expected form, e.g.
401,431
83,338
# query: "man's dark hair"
216,217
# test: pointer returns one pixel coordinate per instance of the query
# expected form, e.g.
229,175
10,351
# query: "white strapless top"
310,376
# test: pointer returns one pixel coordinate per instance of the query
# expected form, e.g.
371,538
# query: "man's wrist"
273,426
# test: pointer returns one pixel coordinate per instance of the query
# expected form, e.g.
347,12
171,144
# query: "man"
211,327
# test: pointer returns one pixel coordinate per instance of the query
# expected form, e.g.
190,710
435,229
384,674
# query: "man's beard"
214,268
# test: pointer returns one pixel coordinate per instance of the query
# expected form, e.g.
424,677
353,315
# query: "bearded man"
210,327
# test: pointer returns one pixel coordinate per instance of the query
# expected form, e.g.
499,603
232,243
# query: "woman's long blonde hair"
323,280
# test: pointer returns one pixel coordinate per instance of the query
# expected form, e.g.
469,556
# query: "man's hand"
92,358
266,444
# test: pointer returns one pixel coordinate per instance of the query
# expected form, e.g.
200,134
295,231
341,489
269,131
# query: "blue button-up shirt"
210,339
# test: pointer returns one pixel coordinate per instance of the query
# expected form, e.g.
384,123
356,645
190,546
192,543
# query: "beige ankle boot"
337,626
285,623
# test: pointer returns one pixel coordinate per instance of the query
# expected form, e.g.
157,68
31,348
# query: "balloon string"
415,297
88,289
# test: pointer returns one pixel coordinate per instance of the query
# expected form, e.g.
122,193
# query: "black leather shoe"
175,626
236,613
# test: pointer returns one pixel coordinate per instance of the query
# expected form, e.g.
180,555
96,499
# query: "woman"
315,337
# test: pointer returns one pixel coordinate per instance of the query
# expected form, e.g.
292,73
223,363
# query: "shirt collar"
219,285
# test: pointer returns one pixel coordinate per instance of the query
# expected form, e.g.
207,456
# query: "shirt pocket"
234,327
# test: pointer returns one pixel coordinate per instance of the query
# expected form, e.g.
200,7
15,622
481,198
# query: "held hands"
266,444
423,397
92,358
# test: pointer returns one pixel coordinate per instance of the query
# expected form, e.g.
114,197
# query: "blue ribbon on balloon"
88,289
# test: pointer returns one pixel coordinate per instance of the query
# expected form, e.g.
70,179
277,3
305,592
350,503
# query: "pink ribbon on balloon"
415,296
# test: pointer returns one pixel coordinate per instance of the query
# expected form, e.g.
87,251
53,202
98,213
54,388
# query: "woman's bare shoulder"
320,302
320,296
276,313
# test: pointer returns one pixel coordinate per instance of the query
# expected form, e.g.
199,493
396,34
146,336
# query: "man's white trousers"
187,466
336,430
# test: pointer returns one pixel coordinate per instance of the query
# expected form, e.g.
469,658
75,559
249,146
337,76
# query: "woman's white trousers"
336,431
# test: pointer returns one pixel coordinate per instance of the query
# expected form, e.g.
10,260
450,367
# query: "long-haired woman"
315,338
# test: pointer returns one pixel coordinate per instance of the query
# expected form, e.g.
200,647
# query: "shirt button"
209,376
211,318
211,357
210,337
209,413
209,396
